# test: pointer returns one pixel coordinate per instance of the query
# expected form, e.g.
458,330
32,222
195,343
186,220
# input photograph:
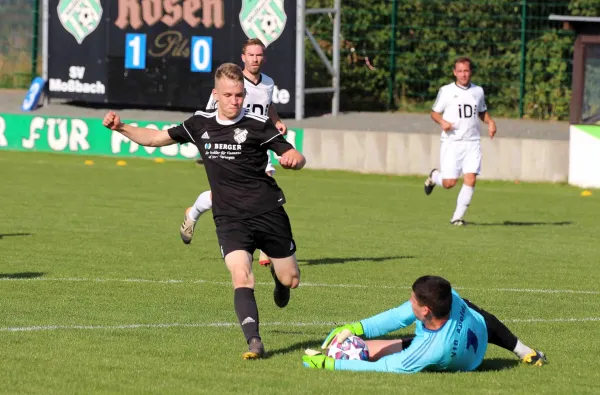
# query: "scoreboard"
163,53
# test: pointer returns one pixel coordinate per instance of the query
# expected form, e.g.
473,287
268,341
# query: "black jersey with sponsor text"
234,156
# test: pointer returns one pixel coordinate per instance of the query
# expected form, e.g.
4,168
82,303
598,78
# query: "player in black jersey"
259,91
247,203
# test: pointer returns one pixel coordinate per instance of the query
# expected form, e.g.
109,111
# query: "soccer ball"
353,348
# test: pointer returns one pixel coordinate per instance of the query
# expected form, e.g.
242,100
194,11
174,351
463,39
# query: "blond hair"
231,71
252,41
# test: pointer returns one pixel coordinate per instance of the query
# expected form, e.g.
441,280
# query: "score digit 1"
201,56
135,51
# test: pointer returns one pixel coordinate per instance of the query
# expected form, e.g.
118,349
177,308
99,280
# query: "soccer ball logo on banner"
263,19
79,17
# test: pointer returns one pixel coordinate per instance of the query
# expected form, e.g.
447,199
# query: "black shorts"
270,232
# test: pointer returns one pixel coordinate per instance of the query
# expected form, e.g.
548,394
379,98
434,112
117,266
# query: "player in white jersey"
458,108
259,91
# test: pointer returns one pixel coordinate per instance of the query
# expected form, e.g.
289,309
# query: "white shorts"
459,156
270,166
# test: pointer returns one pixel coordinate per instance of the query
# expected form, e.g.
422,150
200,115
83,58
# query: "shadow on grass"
3,235
517,223
315,344
496,364
21,275
488,365
334,261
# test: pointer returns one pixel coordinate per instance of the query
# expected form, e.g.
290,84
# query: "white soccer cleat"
458,222
187,228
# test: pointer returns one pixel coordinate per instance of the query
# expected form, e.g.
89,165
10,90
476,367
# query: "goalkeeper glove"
343,332
318,361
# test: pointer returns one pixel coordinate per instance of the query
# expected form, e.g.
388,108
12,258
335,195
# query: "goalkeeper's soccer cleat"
263,259
281,293
318,361
535,358
256,349
354,328
429,183
187,228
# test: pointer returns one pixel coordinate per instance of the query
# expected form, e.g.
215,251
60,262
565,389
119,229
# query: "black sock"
498,333
247,311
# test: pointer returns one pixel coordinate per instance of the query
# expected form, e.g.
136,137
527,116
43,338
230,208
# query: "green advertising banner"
87,136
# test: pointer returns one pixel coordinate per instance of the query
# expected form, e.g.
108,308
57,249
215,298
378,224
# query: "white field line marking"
235,325
173,325
318,285
544,320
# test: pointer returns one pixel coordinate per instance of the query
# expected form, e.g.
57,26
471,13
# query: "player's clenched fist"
492,129
446,126
112,121
292,159
281,127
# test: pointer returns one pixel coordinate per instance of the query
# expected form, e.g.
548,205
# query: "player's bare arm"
272,112
437,117
292,159
142,136
485,117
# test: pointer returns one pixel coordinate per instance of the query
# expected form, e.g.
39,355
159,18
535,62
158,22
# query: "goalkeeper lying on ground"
451,335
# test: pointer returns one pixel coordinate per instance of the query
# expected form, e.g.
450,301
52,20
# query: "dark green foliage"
584,7
548,78
430,34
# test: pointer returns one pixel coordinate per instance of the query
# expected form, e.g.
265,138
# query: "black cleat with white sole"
429,183
281,293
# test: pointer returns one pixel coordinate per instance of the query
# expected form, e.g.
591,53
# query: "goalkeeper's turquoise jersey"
459,345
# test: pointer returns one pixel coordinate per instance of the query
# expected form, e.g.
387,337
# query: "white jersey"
461,107
258,96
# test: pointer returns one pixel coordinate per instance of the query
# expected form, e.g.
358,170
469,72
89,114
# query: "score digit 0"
201,54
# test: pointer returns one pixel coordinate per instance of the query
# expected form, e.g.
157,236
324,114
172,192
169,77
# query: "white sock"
202,204
437,178
462,203
521,350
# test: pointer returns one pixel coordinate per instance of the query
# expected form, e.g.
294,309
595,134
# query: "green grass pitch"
99,295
